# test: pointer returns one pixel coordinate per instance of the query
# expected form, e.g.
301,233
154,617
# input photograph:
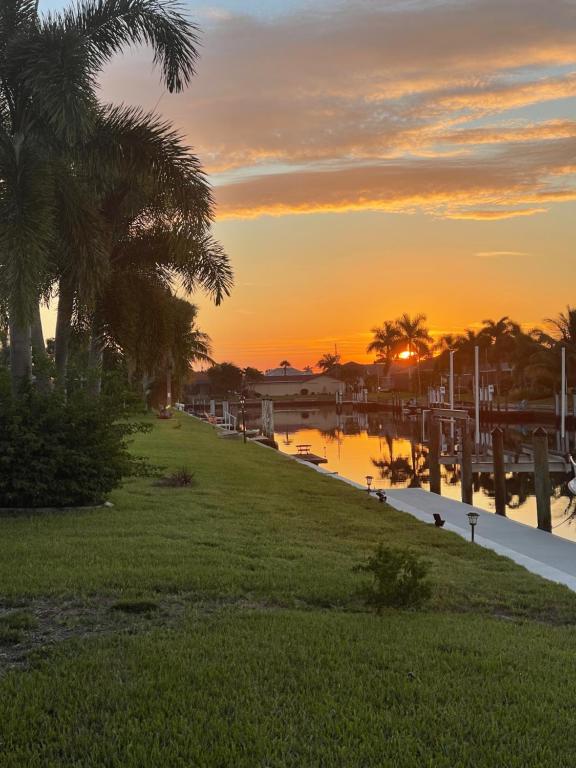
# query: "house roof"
288,379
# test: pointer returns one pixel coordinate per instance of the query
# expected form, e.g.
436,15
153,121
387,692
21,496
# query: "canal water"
395,454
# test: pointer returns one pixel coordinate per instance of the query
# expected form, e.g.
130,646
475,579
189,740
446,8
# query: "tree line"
533,357
105,209
102,207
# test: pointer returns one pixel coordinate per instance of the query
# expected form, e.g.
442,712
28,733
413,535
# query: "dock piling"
499,473
466,465
434,456
542,479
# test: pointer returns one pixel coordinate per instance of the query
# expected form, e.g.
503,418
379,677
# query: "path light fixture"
369,480
473,520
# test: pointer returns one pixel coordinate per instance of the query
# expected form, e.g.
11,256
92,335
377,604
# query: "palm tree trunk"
168,387
41,360
95,355
63,329
20,353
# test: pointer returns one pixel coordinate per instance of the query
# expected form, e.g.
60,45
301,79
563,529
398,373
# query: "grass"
273,661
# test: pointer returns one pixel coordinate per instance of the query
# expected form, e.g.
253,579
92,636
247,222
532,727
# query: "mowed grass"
256,524
275,662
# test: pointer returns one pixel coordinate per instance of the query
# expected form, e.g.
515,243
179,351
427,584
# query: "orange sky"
371,158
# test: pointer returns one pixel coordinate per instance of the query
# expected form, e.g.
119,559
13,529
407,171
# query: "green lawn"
218,626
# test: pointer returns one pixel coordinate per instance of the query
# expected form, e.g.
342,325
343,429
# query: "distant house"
300,384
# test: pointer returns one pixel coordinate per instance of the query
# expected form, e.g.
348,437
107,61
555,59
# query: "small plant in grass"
12,626
181,478
135,606
398,579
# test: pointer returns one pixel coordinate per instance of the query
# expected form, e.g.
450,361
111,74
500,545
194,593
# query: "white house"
302,384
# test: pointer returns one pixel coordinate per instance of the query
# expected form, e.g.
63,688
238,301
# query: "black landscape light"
369,479
472,519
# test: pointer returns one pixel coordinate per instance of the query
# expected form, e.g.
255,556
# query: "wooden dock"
486,465
304,454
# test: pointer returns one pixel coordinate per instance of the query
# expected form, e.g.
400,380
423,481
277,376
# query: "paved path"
543,553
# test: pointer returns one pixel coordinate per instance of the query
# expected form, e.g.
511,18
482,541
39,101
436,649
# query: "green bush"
57,453
398,580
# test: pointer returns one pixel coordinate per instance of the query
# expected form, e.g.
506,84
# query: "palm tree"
545,362
48,71
500,334
385,343
155,332
285,364
155,209
328,361
415,336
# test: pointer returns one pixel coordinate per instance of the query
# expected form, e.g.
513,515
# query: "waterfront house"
300,384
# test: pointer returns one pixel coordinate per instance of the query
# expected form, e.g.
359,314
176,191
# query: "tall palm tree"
415,336
154,331
385,343
48,71
155,209
285,364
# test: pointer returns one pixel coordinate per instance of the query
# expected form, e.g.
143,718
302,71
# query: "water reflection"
396,454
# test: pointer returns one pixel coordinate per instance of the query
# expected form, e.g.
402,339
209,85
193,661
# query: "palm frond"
107,26
148,157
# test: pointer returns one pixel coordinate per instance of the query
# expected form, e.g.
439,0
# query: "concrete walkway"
543,553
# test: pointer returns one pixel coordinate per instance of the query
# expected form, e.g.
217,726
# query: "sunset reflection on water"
356,445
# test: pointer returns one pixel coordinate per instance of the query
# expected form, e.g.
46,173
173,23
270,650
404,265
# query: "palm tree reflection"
410,470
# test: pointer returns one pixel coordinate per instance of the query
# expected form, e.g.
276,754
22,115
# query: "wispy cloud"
500,254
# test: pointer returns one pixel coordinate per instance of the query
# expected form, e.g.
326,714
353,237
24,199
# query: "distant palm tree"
466,343
385,343
415,335
308,369
285,364
545,361
328,361
565,327
500,334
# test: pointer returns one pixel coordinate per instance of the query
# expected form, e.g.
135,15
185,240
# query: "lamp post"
473,520
369,480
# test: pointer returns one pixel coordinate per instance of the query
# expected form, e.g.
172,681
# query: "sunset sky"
372,158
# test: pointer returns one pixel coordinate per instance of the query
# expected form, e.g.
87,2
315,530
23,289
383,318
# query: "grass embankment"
217,626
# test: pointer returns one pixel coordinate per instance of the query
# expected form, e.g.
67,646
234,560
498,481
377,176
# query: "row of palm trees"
533,355
104,207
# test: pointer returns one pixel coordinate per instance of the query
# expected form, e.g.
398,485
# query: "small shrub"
63,453
135,606
12,626
398,579
18,620
10,636
182,478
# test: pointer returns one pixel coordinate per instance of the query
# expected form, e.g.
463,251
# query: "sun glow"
405,355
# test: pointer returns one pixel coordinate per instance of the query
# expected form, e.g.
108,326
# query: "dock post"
434,456
499,474
466,466
542,479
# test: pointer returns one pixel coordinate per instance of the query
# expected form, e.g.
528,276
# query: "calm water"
393,452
